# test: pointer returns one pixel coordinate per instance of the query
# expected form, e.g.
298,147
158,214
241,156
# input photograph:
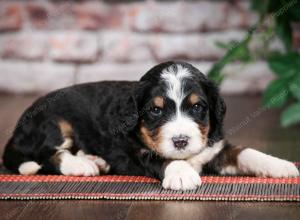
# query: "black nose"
180,141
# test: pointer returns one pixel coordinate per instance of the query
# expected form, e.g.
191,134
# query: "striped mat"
143,188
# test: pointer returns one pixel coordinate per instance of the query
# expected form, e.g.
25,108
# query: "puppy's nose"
180,141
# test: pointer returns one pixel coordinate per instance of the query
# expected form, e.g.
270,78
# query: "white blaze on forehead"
180,124
174,76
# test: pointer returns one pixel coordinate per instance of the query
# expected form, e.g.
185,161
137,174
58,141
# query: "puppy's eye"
156,111
196,108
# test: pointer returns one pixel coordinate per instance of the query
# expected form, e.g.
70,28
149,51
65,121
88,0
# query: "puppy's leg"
79,164
233,160
49,148
31,146
64,160
250,161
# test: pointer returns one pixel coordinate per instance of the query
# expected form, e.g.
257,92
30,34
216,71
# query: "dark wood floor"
246,124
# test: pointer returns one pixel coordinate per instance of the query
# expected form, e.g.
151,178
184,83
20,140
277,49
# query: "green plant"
275,20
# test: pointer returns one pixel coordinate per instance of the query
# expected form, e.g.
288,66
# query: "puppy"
168,125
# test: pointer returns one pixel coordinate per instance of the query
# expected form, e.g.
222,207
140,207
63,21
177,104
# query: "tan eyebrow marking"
194,98
159,101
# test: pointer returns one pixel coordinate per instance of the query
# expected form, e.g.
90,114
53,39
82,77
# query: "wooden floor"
246,124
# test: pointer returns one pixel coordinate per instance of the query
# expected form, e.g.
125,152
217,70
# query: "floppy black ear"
217,110
127,117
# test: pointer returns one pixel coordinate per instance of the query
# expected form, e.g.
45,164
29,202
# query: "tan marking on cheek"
152,141
159,101
204,131
194,98
65,128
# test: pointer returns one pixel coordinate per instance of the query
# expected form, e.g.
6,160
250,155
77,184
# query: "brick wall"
46,45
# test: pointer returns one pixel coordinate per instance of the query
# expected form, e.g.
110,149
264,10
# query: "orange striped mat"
144,188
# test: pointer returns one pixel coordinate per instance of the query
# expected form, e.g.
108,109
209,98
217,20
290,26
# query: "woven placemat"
144,188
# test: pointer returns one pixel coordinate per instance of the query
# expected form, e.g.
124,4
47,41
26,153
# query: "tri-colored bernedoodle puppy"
168,125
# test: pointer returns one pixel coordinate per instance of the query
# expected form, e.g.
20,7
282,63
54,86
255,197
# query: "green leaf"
242,51
257,5
285,66
215,72
291,115
261,6
295,87
242,54
284,31
223,45
294,11
235,52
276,94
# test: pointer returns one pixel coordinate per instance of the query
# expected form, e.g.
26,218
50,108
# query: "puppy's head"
180,110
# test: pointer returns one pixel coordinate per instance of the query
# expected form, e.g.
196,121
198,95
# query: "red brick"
112,71
38,14
239,15
73,46
10,16
61,16
125,46
244,78
28,46
192,46
188,16
30,77
55,15
94,15
296,35
256,76
128,47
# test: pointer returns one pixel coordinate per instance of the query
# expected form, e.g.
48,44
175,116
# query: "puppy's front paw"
179,175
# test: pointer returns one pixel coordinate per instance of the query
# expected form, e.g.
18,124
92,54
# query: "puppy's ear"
127,118
217,110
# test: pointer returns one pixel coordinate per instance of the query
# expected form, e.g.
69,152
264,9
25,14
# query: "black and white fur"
168,125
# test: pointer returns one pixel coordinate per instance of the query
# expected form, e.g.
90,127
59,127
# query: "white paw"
179,175
254,162
29,168
77,165
103,166
280,168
